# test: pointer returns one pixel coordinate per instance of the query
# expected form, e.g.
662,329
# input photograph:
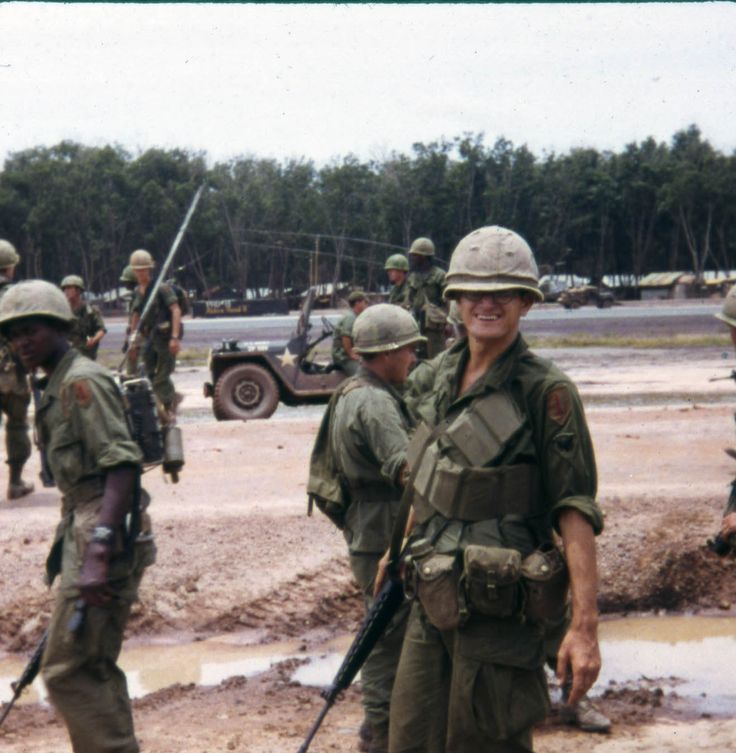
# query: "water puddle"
691,656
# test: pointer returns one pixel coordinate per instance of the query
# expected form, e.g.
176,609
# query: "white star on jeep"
287,358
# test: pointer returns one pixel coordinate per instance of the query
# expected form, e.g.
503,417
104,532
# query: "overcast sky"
323,81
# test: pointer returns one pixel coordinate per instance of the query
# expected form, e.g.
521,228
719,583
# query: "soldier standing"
425,283
98,556
343,355
397,270
367,424
160,332
509,462
88,327
15,395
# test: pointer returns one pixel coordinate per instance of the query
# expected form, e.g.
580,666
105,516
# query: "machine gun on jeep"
248,379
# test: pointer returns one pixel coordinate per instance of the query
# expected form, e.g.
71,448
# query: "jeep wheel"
245,391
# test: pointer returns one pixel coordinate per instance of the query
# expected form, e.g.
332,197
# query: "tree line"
268,225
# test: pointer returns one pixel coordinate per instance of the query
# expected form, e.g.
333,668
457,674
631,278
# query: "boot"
18,488
585,716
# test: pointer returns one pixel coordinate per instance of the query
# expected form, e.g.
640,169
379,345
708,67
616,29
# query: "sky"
324,81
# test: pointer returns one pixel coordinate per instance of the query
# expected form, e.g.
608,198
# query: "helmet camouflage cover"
492,258
384,327
34,298
127,275
72,281
8,255
397,261
728,311
141,259
422,247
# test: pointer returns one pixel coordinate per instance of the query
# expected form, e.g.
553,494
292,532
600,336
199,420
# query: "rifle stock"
384,608
27,677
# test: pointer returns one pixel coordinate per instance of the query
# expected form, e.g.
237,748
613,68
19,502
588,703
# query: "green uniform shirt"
369,437
399,294
82,426
344,328
425,287
158,318
553,437
87,323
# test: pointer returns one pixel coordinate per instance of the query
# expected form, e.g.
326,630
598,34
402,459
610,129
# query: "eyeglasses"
497,296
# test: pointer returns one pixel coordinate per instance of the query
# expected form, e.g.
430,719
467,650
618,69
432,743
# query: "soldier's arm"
347,344
175,341
99,330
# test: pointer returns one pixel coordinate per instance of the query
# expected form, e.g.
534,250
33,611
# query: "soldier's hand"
580,657
381,574
728,525
174,346
93,585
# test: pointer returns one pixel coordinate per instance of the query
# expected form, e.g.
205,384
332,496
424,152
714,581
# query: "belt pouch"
491,580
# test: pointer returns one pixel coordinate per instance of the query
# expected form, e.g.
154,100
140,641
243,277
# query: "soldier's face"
142,275
396,276
36,342
73,295
489,317
399,363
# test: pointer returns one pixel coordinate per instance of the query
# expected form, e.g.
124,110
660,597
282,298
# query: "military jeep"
586,295
250,378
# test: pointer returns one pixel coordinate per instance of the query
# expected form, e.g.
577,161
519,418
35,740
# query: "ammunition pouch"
434,578
545,578
491,581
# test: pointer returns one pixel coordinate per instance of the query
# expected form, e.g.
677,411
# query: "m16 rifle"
27,677
376,621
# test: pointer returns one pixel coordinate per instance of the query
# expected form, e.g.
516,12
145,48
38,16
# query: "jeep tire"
245,391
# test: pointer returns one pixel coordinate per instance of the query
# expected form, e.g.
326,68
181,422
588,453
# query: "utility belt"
489,581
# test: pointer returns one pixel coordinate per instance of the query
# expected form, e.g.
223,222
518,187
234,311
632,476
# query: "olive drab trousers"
14,408
447,699
80,670
159,366
379,670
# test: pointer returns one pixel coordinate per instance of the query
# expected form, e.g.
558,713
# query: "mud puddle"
688,657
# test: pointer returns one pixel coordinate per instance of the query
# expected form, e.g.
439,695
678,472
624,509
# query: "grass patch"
620,341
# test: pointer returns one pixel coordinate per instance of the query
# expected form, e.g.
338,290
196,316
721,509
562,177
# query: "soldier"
343,355
397,270
88,327
160,333
98,557
510,460
728,316
368,424
15,395
424,298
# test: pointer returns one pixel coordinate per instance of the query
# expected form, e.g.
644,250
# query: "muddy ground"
238,556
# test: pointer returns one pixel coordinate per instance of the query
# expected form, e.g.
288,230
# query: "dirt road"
238,556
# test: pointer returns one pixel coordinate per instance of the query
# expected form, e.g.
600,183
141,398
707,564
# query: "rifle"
384,607
47,478
27,677
732,375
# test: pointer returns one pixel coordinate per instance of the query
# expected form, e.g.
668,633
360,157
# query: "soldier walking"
15,394
397,271
103,542
368,424
88,327
160,332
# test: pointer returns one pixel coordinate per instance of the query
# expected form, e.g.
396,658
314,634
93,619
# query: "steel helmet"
492,258
127,275
8,255
384,327
728,311
141,259
422,247
72,281
34,298
397,261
